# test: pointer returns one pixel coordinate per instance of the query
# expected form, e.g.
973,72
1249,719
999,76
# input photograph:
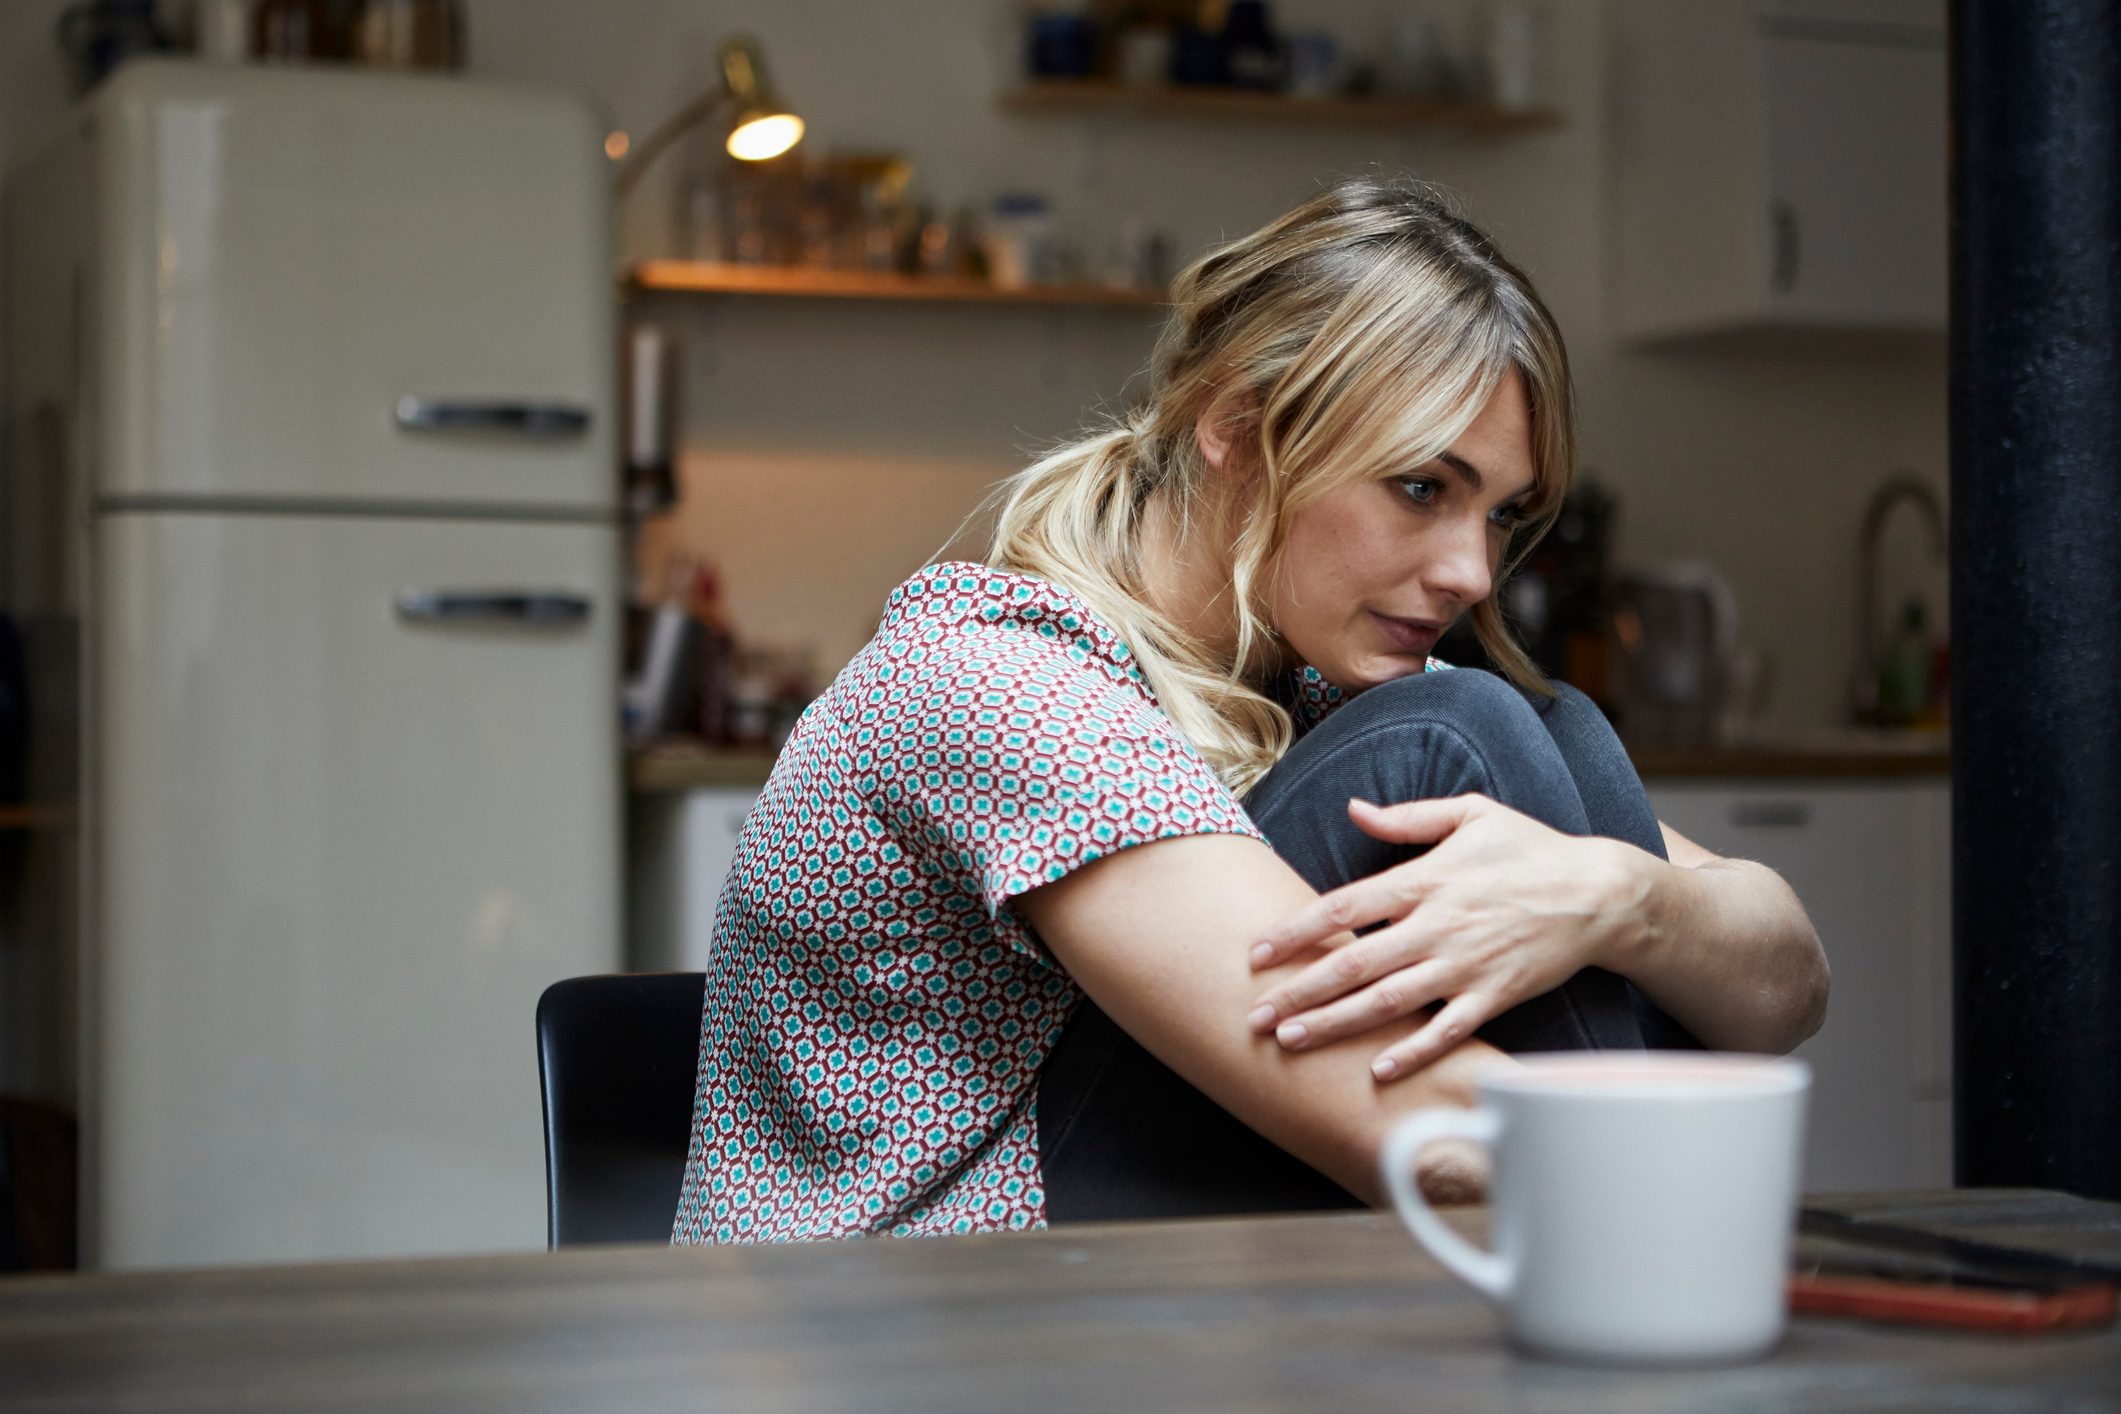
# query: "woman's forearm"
1726,949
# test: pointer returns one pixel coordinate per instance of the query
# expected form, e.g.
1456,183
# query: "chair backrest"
617,1060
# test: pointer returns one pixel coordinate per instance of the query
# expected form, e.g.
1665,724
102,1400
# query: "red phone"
1870,1267
1960,1303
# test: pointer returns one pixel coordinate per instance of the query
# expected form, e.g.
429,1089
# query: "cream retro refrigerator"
310,425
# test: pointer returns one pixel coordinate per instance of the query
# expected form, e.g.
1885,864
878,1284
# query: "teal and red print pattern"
1312,699
875,1018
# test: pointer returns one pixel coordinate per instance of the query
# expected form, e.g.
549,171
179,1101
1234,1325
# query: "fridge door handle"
538,421
514,606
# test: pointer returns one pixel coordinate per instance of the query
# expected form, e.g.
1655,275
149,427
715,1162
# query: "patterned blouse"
875,1018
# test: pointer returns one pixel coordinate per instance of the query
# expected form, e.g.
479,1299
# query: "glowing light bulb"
768,135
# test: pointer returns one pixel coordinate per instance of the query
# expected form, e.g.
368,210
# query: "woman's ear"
1216,431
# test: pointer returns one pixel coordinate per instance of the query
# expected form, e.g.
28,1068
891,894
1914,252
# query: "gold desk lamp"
760,125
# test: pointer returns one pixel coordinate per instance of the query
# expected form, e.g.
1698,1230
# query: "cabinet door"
1777,164
1856,153
680,847
1870,863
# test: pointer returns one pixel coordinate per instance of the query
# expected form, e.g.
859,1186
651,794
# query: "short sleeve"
1019,753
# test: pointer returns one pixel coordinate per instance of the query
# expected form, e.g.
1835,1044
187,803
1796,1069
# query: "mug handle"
1486,1272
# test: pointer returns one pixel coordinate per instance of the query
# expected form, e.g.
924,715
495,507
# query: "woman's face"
1374,572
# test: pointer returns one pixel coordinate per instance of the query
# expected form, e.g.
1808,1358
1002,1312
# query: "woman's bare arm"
1503,908
1725,947
1157,935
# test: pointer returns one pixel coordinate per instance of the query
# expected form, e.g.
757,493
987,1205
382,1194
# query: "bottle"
409,34
222,32
716,660
969,235
293,32
1019,240
1516,54
1252,52
651,479
1904,669
752,696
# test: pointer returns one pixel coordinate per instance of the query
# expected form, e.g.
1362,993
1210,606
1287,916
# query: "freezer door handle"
515,606
539,421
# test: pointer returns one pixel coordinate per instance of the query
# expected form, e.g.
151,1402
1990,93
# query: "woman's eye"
1508,517
1421,490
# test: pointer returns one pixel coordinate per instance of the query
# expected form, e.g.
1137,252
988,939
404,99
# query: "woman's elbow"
1450,1173
1785,1005
1808,992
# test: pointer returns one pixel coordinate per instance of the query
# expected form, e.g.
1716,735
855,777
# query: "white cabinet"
1872,862
1777,164
679,846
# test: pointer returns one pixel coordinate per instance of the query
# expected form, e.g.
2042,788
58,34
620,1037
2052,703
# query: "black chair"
617,1059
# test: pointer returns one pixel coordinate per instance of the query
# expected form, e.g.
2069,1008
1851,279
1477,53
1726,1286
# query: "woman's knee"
1434,734
1570,707
1488,711
1613,797
1565,699
1429,735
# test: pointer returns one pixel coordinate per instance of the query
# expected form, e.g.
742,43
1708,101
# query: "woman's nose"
1462,570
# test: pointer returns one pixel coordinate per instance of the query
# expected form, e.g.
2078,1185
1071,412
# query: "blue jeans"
1121,1136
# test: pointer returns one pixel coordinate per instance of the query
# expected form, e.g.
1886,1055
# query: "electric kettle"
1677,628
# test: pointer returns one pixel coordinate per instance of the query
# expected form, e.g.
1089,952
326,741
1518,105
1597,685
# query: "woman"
1001,946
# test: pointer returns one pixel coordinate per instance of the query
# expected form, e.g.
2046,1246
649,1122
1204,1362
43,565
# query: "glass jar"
409,34
293,32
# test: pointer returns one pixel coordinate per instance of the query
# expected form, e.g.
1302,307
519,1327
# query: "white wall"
830,447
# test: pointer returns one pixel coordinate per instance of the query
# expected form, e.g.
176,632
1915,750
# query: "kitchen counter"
678,765
1836,755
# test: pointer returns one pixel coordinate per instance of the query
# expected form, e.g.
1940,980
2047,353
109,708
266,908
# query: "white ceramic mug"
1642,1203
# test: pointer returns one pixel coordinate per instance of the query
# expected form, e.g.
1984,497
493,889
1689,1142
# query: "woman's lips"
1408,635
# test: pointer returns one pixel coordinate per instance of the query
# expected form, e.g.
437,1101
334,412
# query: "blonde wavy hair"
1355,338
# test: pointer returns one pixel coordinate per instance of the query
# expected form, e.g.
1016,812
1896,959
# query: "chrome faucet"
1903,485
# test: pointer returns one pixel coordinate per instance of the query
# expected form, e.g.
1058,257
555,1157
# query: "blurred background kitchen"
436,472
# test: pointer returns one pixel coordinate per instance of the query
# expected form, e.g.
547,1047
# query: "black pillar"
2036,591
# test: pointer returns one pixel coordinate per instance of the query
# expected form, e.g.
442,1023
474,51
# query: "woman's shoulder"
980,593
961,609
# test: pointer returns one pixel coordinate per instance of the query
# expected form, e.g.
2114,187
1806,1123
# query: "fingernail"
1292,1034
1262,1017
1384,1067
1262,954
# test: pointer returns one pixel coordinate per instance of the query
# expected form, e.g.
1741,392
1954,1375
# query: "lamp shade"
762,135
761,125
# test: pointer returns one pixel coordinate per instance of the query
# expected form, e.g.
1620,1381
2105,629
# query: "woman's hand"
1502,909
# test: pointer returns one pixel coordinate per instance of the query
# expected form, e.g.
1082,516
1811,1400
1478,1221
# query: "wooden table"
1330,1312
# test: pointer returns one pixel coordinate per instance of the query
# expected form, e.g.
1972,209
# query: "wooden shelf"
1667,762
681,763
1098,95
1854,751
696,277
33,817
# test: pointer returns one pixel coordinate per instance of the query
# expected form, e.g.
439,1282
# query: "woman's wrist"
1643,896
